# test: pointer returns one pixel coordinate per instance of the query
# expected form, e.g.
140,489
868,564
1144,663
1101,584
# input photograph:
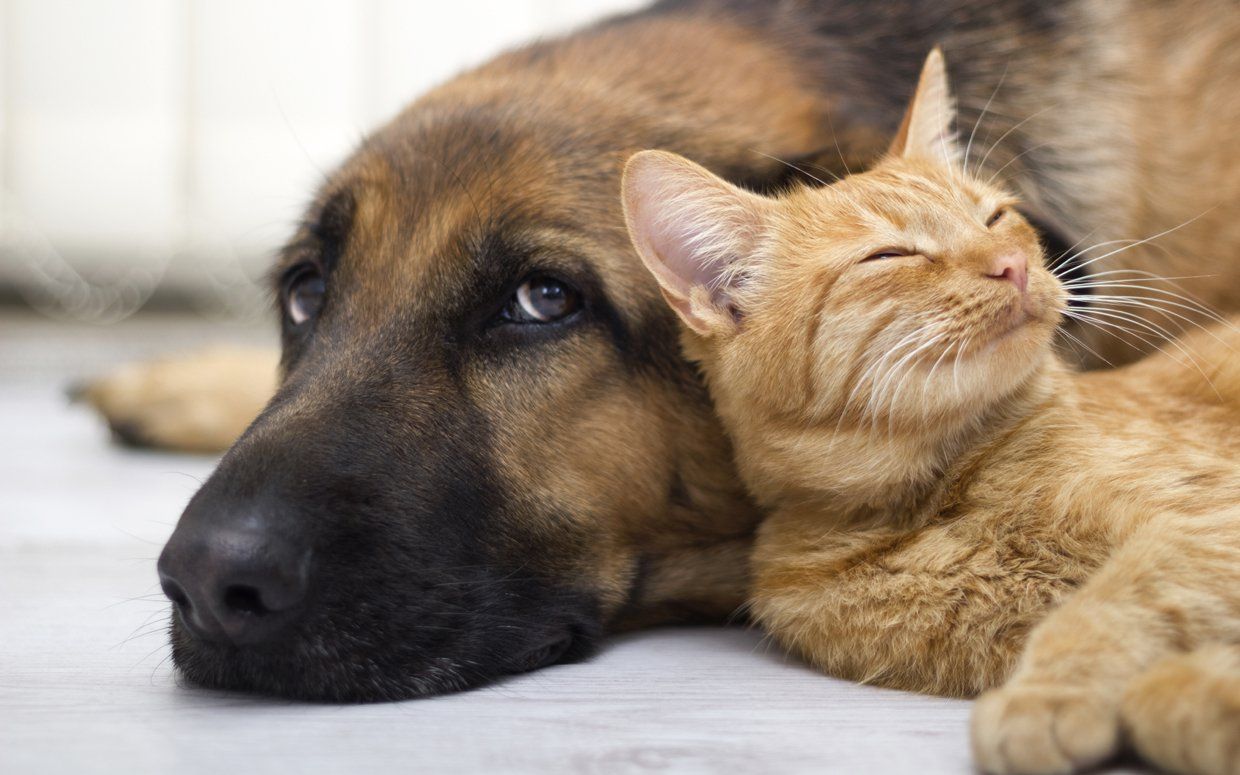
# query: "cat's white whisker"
1145,241
873,402
956,365
792,166
1142,277
982,164
899,389
1162,296
964,159
1155,304
1110,328
862,380
991,180
930,377
1078,341
1145,281
1050,265
836,140
1165,334
890,403
847,407
1110,305
1065,260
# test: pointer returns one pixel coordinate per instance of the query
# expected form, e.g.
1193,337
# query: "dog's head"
486,449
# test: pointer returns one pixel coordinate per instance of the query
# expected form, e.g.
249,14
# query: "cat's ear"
695,232
927,130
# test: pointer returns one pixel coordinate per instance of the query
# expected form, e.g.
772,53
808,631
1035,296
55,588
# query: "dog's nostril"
232,585
245,599
173,592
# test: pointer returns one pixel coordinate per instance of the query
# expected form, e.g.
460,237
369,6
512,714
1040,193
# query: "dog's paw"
197,403
1040,730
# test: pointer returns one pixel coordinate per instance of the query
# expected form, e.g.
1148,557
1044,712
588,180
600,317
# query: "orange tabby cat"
952,509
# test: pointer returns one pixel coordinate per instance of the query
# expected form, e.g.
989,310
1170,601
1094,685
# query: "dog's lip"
548,651
276,669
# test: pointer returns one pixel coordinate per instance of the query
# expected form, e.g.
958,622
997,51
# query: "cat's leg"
1183,714
1172,587
196,403
929,611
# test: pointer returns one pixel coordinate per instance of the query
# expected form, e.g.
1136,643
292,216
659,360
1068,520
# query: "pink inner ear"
691,229
684,243
681,214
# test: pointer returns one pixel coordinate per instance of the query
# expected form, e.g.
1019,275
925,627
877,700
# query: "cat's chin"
1025,330
1010,355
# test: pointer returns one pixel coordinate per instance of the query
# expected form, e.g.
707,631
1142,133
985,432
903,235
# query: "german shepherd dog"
485,450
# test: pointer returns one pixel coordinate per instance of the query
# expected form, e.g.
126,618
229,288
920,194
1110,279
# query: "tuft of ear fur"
695,232
927,130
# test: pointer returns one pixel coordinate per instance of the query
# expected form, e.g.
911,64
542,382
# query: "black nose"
234,584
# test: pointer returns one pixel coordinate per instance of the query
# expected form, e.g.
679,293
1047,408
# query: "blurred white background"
163,148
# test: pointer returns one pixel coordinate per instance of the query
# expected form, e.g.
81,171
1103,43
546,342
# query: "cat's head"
909,292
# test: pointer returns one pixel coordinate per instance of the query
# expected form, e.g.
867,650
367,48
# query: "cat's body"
938,591
952,508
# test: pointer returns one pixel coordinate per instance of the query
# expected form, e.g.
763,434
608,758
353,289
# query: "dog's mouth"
545,655
349,667
312,671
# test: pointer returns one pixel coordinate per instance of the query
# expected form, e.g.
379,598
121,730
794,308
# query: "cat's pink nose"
1013,267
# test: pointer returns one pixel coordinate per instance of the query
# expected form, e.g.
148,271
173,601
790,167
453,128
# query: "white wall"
171,143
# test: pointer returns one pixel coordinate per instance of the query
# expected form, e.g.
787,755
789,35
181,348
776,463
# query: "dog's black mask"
385,528
358,543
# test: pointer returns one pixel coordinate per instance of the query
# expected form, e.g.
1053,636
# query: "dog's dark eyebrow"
332,226
321,235
507,252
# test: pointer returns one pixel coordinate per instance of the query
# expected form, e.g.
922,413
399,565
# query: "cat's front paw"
1040,730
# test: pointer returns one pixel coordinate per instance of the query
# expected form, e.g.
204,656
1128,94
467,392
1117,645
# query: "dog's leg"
196,403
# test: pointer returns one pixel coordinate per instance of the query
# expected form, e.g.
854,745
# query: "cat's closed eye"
995,217
887,253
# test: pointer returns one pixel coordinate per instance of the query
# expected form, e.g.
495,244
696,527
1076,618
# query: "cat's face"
897,296
902,293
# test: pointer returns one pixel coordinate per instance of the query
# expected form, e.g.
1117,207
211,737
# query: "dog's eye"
303,294
995,217
541,299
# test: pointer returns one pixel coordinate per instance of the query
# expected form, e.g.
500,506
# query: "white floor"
85,684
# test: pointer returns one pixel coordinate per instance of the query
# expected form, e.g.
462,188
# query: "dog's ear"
697,235
927,130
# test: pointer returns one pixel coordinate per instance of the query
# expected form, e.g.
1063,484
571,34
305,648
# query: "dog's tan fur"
1099,129
952,508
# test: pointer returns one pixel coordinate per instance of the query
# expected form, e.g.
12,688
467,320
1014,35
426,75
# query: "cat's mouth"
1009,326
1019,318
